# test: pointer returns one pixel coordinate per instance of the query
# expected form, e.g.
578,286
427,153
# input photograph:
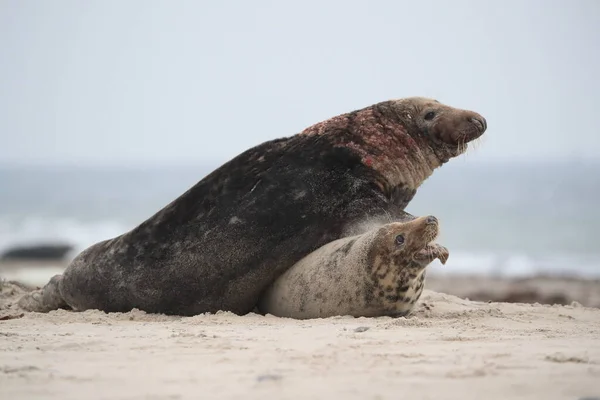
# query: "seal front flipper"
45,299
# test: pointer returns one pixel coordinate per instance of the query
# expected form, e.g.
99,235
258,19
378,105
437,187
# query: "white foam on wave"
33,231
518,265
38,230
31,275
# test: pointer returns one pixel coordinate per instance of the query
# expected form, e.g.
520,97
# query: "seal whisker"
463,147
389,216
477,143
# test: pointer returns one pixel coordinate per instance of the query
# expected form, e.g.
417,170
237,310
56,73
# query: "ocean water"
511,218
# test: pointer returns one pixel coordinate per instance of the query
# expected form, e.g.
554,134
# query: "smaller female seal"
378,273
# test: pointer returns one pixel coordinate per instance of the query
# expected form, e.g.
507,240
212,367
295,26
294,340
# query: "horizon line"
216,162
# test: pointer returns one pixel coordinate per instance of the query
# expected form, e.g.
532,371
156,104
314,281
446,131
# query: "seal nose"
431,220
480,123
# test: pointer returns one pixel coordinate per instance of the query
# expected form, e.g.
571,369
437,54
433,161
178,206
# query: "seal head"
404,140
397,260
446,129
407,243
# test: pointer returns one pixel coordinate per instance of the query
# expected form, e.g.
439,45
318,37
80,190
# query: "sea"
502,218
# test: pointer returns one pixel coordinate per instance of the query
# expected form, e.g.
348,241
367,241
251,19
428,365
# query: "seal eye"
429,116
399,239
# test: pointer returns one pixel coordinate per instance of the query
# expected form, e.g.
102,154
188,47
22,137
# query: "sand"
451,348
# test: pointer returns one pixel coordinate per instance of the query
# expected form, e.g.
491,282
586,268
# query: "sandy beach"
198,149
450,348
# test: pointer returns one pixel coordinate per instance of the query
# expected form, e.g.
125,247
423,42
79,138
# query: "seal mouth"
426,250
458,138
480,123
430,252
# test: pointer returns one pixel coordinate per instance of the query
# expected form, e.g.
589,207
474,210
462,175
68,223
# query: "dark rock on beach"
37,252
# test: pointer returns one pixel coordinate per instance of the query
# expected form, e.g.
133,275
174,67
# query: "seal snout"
431,220
423,231
479,122
470,127
459,128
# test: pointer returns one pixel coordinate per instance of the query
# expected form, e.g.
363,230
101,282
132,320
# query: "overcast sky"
180,82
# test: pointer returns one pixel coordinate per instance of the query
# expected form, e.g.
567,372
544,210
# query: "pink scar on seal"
368,161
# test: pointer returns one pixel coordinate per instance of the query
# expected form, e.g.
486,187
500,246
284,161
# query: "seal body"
378,273
224,241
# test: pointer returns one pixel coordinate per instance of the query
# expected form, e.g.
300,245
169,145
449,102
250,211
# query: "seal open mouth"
425,233
430,252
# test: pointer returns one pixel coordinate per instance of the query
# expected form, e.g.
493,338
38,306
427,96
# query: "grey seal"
378,273
220,244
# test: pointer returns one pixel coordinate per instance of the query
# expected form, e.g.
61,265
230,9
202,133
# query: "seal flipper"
45,299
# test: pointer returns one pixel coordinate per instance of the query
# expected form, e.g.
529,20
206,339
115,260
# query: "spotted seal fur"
378,273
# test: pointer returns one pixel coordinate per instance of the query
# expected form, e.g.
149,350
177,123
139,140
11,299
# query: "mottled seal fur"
220,244
378,273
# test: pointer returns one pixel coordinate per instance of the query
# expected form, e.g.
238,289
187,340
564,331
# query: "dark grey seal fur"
378,273
224,241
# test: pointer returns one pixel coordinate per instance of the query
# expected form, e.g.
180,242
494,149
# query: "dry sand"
450,349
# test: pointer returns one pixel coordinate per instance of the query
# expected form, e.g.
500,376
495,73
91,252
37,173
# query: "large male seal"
225,240
378,273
